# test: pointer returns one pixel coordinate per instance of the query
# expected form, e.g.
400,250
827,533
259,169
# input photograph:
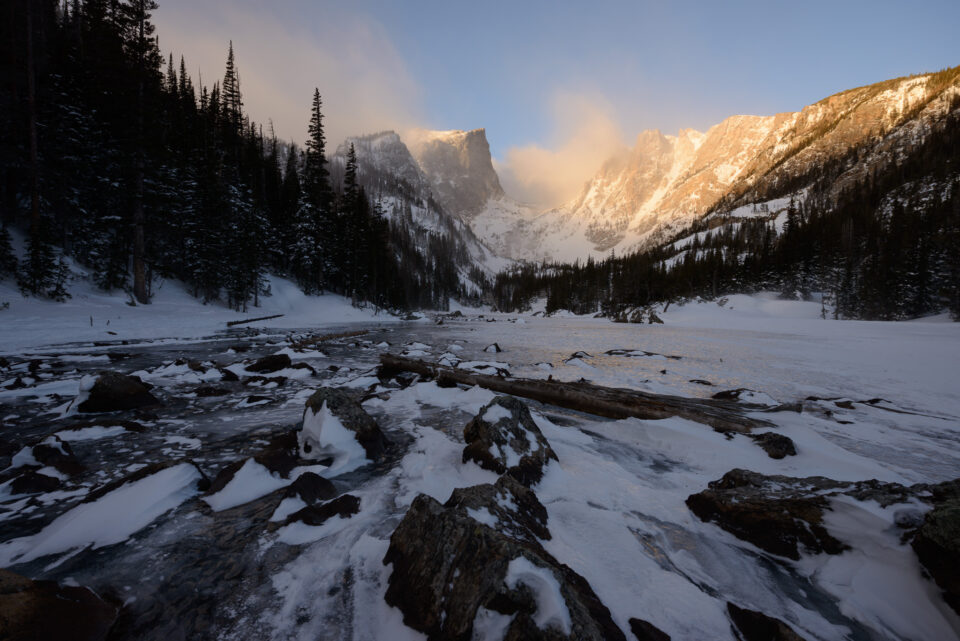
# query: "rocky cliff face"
666,182
459,168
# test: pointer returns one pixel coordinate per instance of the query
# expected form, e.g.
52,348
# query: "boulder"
451,572
113,392
57,453
33,610
271,363
329,402
31,482
646,631
514,507
492,348
775,445
781,514
774,517
937,542
756,626
503,438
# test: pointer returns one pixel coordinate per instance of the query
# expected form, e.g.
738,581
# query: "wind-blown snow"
108,520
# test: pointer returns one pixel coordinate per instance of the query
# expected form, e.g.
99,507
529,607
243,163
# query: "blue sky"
529,71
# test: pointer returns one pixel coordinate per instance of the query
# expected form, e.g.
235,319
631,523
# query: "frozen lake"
878,400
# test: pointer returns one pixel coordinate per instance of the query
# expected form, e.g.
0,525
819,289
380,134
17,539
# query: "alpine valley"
353,390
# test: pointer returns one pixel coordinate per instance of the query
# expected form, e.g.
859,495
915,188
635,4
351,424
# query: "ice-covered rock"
335,425
454,577
504,438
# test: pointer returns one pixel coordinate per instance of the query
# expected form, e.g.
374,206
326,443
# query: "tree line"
110,154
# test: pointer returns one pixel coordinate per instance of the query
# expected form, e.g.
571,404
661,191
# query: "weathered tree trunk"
611,402
32,112
139,250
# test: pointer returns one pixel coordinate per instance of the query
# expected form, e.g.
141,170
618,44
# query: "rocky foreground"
211,526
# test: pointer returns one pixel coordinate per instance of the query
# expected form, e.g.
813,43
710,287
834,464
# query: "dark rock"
446,566
455,314
772,515
280,456
513,428
119,356
206,391
493,348
775,445
30,482
254,400
351,415
57,453
224,476
653,318
646,631
311,488
271,363
700,381
264,380
304,366
114,392
781,514
35,610
756,626
937,545
527,522
343,506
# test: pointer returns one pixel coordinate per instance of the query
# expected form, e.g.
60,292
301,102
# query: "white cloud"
365,85
585,135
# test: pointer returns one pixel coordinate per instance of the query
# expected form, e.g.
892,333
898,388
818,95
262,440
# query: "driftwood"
311,341
611,402
252,320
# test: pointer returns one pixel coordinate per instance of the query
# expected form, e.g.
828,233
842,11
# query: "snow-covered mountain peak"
459,167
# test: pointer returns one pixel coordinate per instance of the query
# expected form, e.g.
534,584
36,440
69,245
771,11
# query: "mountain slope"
644,194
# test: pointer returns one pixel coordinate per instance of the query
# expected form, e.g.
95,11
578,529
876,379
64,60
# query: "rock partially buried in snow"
756,626
456,578
112,392
646,631
310,488
781,514
271,363
776,446
492,348
335,425
34,610
503,438
343,506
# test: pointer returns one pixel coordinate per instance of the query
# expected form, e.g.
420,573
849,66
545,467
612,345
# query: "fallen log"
252,320
311,341
611,402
